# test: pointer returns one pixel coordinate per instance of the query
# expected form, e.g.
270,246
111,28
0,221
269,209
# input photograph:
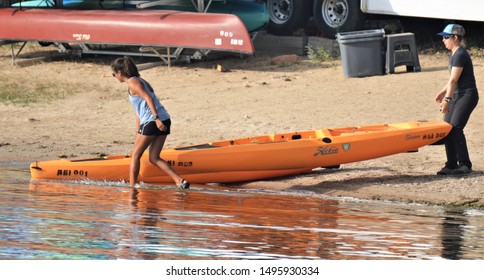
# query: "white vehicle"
332,16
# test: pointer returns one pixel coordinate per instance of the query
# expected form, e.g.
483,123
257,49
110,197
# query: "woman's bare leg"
155,150
141,143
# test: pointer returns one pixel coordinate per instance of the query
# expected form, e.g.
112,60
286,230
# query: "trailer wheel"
287,16
333,16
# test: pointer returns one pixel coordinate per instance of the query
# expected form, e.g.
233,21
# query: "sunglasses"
447,37
114,74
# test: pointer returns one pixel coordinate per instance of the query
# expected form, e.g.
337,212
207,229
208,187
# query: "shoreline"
371,180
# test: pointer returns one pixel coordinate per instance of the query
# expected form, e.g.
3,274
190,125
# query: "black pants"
460,109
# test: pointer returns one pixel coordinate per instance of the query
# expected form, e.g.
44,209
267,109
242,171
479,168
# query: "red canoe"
222,32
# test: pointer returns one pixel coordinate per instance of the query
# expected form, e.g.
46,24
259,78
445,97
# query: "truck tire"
287,16
333,16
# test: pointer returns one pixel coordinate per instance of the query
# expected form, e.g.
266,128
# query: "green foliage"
22,93
318,55
476,52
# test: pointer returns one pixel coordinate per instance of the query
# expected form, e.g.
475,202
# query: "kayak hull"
166,28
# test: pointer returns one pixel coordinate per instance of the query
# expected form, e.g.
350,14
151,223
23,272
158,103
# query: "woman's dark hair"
126,65
460,38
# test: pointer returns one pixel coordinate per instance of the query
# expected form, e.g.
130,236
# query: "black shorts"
150,128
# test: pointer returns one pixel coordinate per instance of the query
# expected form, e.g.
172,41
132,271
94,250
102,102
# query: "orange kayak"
255,158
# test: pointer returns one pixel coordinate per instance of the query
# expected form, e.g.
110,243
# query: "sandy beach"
90,115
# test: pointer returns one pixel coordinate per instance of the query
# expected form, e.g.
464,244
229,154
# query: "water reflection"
81,221
453,233
233,225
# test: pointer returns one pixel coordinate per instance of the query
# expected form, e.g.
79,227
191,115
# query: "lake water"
110,221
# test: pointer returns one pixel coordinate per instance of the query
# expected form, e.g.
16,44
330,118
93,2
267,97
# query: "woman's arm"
137,88
137,122
449,89
452,83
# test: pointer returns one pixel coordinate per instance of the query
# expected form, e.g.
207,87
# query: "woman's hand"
160,125
440,97
444,107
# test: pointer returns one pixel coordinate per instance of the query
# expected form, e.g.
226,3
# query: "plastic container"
362,52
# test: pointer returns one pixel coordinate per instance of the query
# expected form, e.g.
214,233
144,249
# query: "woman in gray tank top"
152,119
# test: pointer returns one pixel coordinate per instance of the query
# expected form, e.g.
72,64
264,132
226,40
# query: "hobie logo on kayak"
326,150
412,137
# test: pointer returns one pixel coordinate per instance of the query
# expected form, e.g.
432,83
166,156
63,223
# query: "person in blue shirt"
457,100
152,120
